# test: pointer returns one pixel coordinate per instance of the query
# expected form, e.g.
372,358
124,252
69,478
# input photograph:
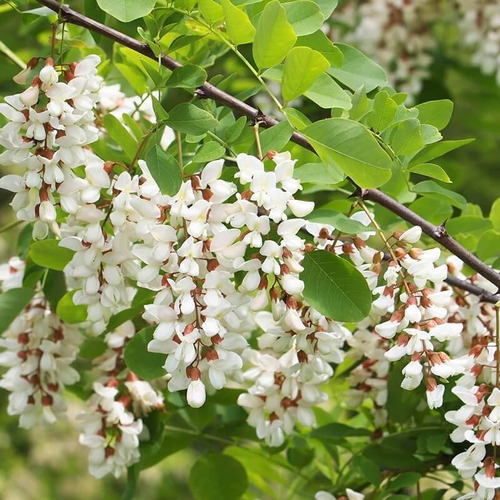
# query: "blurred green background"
49,463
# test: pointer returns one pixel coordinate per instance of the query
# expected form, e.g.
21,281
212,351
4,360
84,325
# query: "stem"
257,140
11,55
208,90
497,341
234,48
386,243
437,233
143,143
10,225
179,149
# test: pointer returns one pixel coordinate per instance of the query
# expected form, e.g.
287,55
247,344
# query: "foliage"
163,189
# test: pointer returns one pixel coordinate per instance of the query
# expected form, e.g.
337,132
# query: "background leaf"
147,365
217,477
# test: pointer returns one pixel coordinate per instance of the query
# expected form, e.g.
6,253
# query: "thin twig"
207,90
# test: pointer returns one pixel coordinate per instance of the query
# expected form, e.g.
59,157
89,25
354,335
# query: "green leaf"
366,468
328,94
133,126
68,311
495,214
160,112
274,37
208,479
436,113
296,118
120,135
327,7
488,245
188,76
435,212
147,365
320,42
122,317
127,10
276,138
401,404
165,170
383,112
406,139
336,431
438,149
190,119
54,287
208,152
357,70
304,16
335,287
239,28
302,67
338,220
431,188
166,444
92,347
404,480
211,11
431,170
349,146
468,224
317,173
12,302
360,104
48,253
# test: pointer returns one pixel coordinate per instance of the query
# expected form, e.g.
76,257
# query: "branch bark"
207,90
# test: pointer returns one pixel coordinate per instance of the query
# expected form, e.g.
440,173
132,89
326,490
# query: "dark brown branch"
438,233
483,295
207,90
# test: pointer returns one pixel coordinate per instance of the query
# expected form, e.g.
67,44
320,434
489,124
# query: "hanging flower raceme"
39,350
49,127
112,425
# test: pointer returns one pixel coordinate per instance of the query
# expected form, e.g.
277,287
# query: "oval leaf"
274,36
48,253
335,287
348,145
239,28
127,10
165,170
190,119
69,312
302,67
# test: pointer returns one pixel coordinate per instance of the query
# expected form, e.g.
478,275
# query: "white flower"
196,394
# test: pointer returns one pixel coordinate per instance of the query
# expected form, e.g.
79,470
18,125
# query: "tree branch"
438,233
207,90
483,295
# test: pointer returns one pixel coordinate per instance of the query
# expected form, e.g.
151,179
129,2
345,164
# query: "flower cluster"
50,126
480,24
38,351
112,425
396,34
